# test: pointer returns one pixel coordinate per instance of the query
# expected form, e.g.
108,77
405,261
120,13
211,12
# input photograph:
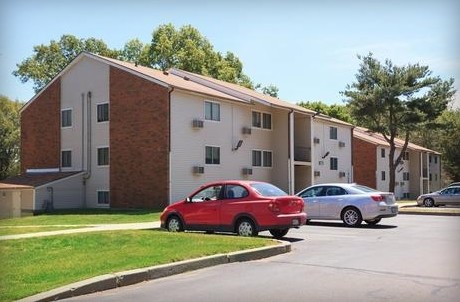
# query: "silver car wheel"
351,217
428,202
174,224
245,228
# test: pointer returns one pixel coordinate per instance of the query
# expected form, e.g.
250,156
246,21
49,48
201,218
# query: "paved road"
407,258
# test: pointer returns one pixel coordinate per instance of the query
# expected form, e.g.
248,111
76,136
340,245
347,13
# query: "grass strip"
84,217
34,265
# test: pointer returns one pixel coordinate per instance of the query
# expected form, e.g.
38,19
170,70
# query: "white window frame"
263,163
261,114
334,130
97,112
212,159
108,155
212,117
71,117
103,204
337,163
71,163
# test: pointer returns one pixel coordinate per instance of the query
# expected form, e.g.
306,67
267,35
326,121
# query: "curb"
426,212
111,281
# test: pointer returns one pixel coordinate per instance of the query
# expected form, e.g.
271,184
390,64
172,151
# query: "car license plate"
295,222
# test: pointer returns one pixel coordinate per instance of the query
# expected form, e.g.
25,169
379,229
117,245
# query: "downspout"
291,172
88,140
83,146
171,89
421,174
428,172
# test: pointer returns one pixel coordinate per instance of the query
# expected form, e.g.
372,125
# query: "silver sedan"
447,196
351,203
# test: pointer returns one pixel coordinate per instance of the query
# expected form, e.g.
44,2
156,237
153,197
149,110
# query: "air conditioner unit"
246,130
317,173
247,171
197,123
341,144
316,140
341,174
198,169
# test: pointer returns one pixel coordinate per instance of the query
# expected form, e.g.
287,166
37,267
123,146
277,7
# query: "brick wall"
139,142
365,163
40,130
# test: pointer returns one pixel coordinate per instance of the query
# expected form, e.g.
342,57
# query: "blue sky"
306,48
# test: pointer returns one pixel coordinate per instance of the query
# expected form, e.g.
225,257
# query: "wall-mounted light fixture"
238,145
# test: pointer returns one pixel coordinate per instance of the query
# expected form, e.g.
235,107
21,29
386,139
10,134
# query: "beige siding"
65,193
86,76
188,144
343,154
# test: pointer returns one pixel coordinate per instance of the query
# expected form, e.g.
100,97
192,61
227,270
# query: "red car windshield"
267,190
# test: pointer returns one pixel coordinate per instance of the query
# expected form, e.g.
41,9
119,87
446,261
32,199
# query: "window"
267,158
429,159
334,163
435,159
383,175
382,153
431,177
211,111
103,156
406,156
335,191
212,155
103,197
333,132
406,195
256,119
261,120
66,118
262,158
209,193
256,158
267,121
66,159
435,177
235,191
406,176
102,112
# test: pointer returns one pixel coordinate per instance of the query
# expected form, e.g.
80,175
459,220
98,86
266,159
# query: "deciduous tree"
9,137
48,60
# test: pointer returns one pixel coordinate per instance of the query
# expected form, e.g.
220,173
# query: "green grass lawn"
84,217
34,265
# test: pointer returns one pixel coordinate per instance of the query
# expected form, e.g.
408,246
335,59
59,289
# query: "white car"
351,203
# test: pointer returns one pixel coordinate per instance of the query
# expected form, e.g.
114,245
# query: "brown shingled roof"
36,179
378,139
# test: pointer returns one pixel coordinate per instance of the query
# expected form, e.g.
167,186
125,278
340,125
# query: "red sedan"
242,207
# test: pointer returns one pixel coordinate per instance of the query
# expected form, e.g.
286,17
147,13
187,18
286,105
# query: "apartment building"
114,134
418,173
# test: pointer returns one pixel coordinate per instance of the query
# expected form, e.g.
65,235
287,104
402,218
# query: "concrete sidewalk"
89,228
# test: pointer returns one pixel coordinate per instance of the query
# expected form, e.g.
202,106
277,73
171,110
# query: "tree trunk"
392,168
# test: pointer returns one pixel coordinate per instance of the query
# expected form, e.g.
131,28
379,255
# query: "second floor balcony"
302,154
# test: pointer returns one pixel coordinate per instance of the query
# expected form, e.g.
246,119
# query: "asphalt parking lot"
406,258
